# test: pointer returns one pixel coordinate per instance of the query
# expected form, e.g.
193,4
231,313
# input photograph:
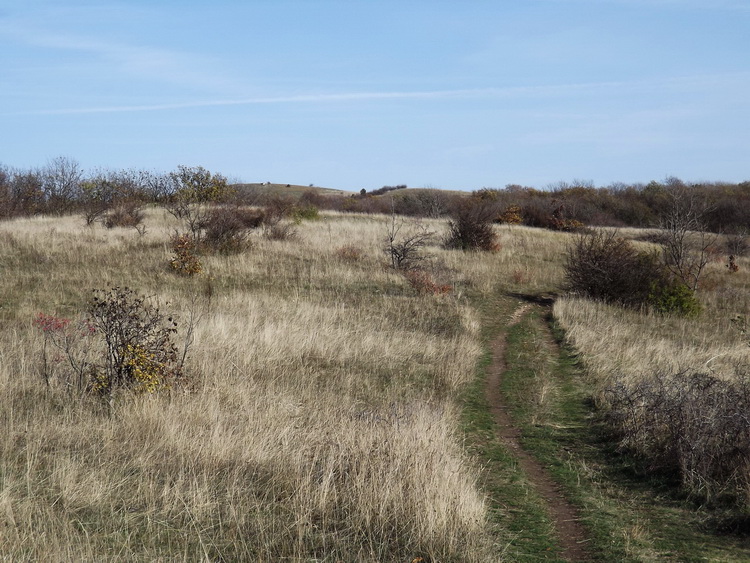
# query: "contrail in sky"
503,92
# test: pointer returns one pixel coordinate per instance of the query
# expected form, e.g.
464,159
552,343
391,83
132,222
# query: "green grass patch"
629,517
517,514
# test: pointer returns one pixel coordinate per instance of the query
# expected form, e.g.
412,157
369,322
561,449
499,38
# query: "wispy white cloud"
304,98
677,84
118,58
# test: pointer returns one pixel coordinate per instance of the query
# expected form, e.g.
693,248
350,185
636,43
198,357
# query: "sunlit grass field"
320,419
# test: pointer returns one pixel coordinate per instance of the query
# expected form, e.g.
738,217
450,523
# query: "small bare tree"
686,240
61,182
405,249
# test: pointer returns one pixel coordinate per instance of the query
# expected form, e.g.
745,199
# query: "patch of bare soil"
565,516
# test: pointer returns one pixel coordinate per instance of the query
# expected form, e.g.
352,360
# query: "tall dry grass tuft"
319,421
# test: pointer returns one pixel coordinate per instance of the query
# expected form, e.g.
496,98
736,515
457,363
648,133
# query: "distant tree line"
725,206
62,187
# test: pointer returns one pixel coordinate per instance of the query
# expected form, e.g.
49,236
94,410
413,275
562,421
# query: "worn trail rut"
566,518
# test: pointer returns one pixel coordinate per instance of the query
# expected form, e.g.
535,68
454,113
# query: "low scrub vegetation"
604,266
121,342
470,228
673,390
690,423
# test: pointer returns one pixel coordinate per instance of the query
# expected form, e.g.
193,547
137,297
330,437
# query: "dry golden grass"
628,344
675,390
320,422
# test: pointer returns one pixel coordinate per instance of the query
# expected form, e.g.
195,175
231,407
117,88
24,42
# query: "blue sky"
352,94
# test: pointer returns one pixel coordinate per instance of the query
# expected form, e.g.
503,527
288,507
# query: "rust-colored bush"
423,283
349,253
185,260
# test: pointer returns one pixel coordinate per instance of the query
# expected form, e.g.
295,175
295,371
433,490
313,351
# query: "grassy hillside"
329,411
291,190
319,418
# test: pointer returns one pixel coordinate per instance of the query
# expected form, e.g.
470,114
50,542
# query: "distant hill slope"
292,190
296,191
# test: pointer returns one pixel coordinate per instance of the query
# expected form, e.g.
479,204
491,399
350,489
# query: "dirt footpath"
565,516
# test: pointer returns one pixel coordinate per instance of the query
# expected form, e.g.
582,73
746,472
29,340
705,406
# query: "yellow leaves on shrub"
145,369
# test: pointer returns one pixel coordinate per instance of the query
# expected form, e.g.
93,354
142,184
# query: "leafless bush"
738,244
687,242
126,214
138,338
405,249
602,265
691,423
225,229
61,182
277,213
471,228
278,207
281,230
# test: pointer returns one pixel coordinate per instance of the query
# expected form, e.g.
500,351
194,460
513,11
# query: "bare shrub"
61,183
278,207
213,229
95,200
225,229
690,423
604,266
66,351
123,342
737,244
470,228
405,249
686,244
278,220
126,214
279,231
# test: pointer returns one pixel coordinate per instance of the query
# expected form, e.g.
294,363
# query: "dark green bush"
674,297
305,213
